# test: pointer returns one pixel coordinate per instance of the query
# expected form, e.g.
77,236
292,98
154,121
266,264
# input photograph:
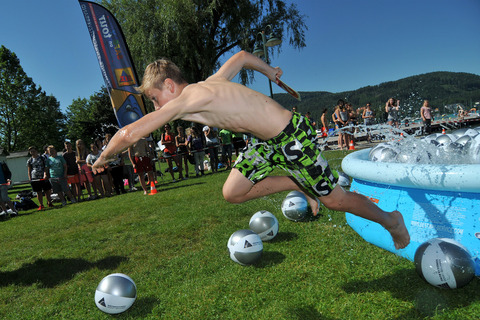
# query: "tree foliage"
196,33
42,122
91,118
27,115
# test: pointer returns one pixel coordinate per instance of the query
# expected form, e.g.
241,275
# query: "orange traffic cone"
443,131
351,146
153,189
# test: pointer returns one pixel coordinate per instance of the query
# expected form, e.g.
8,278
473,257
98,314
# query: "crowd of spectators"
67,176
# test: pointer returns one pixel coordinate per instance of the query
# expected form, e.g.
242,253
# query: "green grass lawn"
174,246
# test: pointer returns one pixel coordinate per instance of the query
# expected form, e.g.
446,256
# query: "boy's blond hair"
156,73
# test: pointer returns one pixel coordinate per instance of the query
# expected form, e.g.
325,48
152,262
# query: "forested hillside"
441,88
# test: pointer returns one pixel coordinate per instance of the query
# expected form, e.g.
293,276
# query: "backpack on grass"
25,203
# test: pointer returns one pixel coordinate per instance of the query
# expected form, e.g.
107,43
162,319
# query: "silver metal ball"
295,206
444,263
265,224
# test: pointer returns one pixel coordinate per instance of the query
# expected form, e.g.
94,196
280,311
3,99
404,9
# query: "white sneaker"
2,214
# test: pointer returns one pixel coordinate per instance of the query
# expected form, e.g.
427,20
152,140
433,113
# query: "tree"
14,84
42,122
27,115
92,118
195,34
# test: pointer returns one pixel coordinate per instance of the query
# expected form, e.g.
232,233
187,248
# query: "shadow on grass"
269,259
174,185
306,313
283,237
406,285
141,308
50,273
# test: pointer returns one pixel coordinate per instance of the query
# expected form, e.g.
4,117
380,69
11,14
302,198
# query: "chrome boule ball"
444,263
407,157
454,148
245,247
463,140
115,293
294,206
387,155
471,132
459,132
375,153
265,224
444,139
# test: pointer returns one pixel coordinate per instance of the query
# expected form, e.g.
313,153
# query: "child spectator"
197,145
170,152
38,176
182,148
138,154
57,167
86,174
100,179
73,176
226,140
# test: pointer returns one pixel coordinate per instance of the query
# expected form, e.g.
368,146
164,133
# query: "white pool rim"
455,178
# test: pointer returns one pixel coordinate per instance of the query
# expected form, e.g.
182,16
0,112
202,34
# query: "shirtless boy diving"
288,139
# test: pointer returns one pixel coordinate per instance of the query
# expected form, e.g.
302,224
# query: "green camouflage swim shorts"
296,151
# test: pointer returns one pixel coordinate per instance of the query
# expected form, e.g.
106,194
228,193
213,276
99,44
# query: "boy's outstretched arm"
246,60
187,102
128,135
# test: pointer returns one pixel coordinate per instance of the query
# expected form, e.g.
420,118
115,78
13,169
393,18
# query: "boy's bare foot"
398,230
314,204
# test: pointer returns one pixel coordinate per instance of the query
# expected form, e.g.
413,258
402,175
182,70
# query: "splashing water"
461,146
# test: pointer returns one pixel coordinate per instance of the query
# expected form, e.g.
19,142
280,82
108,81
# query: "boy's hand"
278,73
99,165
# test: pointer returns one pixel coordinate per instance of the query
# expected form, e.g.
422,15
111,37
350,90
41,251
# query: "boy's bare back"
225,104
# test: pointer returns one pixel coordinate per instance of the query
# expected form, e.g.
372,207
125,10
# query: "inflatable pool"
437,201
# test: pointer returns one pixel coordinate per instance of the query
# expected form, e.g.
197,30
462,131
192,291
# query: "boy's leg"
12,207
178,161
105,181
170,167
40,198
97,182
73,189
185,164
3,206
238,189
341,200
141,177
48,196
62,197
150,176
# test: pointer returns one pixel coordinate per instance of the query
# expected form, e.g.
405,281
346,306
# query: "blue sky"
350,44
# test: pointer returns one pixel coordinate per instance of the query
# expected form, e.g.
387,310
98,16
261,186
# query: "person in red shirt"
170,151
